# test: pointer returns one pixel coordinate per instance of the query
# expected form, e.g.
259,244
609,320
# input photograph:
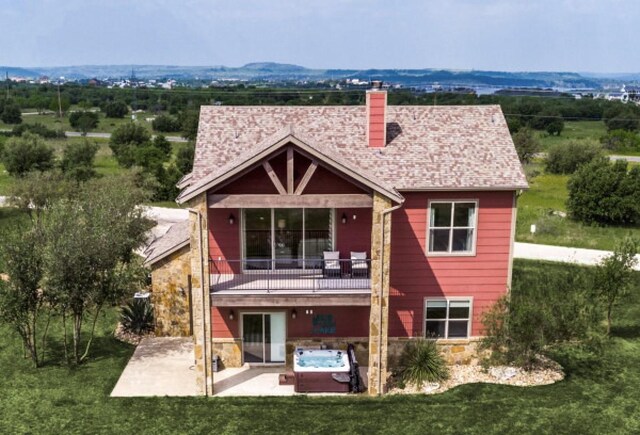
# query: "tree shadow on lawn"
626,331
102,348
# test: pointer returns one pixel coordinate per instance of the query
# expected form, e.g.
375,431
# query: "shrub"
624,119
77,160
621,140
162,144
189,123
26,153
567,158
84,121
11,114
526,144
125,139
38,129
137,317
605,192
543,310
116,109
184,158
166,124
421,362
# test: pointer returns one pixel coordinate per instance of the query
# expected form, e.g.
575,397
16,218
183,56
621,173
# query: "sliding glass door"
286,238
263,337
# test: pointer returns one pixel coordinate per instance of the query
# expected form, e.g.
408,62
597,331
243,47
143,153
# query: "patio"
163,366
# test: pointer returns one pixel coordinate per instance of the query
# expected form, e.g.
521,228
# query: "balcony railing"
290,276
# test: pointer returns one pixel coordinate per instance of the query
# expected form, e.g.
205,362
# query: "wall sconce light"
232,219
344,218
232,315
294,314
282,224
354,217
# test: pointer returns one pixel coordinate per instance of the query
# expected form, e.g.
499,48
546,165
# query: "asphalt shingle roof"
164,245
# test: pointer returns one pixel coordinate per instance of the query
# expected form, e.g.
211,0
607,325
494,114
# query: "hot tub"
319,371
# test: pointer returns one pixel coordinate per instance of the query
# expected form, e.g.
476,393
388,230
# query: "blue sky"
512,35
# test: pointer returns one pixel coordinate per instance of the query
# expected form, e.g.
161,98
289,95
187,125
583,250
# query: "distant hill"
272,71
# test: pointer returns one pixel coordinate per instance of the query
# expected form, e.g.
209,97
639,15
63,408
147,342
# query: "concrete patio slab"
162,366
259,381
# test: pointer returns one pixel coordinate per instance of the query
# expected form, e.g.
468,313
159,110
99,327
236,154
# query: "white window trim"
471,253
446,319
272,229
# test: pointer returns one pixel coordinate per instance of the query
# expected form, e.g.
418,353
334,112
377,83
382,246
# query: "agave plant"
421,362
137,316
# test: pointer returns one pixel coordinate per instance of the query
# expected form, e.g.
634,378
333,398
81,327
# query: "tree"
624,120
77,160
35,192
567,158
621,140
527,145
55,106
614,276
606,193
21,299
26,153
166,124
11,114
88,258
162,144
184,158
84,121
189,123
116,109
125,139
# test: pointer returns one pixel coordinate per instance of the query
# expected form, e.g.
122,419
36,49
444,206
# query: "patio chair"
359,265
331,264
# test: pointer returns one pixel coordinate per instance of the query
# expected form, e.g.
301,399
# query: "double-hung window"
452,227
447,318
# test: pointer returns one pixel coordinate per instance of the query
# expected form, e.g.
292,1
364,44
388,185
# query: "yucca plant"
421,362
137,316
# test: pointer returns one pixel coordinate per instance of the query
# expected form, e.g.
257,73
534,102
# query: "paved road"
108,135
590,257
634,159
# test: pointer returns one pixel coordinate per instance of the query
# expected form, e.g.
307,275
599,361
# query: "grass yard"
598,396
547,194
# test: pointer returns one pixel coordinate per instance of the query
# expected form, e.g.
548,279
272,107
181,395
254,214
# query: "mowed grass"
598,396
544,205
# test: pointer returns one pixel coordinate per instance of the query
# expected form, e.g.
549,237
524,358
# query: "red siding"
355,235
224,239
415,276
325,181
350,321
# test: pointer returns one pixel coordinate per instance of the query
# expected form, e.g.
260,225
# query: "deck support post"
200,293
379,315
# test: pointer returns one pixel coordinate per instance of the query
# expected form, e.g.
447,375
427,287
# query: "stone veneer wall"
170,294
463,351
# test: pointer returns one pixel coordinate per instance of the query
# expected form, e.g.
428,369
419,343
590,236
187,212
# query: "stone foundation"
170,294
229,351
454,351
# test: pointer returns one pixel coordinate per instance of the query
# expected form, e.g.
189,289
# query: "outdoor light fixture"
231,315
294,314
354,217
232,219
282,224
344,218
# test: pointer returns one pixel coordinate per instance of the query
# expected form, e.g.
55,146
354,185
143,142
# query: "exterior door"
263,337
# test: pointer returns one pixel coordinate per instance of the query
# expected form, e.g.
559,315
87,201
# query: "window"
452,226
447,318
291,238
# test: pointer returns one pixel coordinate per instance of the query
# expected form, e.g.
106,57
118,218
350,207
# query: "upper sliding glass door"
286,238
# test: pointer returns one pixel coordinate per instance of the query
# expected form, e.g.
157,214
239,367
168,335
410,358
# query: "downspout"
204,323
384,213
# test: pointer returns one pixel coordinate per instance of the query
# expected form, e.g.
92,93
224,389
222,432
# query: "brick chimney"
376,116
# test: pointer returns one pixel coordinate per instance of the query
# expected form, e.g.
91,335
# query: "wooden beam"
290,170
353,200
274,178
307,176
274,300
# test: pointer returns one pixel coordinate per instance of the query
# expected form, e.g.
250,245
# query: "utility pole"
59,101
6,73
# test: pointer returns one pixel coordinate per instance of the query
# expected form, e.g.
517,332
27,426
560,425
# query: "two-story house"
367,224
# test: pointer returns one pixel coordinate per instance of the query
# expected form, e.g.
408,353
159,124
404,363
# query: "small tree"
189,123
27,153
37,191
567,158
77,160
166,124
125,139
184,158
84,121
21,300
621,140
116,109
162,144
11,114
527,145
614,276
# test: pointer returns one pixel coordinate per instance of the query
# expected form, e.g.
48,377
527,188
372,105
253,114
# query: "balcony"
291,277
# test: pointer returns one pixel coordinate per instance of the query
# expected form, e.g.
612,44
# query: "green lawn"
547,194
597,396
106,125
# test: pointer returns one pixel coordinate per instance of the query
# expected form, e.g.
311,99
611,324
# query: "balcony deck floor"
288,284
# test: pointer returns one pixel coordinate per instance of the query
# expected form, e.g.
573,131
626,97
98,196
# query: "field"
544,205
597,396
